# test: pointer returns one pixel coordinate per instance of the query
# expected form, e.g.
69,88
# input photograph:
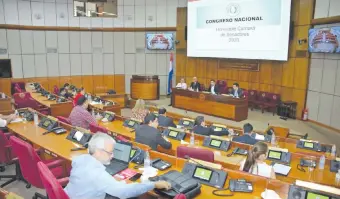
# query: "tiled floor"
256,118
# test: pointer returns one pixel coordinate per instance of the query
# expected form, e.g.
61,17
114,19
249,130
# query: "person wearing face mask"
89,179
148,133
255,162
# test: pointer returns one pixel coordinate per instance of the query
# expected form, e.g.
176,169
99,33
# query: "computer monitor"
308,145
215,143
202,173
122,151
275,154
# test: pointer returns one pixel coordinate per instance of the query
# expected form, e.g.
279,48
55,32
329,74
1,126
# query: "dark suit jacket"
195,86
207,131
166,121
216,90
152,137
246,139
239,91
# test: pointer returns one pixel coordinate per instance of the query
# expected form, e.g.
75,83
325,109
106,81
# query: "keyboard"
115,167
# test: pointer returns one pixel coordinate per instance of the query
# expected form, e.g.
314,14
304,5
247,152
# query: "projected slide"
244,29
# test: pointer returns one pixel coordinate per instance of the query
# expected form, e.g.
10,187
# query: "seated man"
148,134
182,84
6,119
213,88
79,115
89,179
63,93
237,92
246,138
163,120
195,86
201,129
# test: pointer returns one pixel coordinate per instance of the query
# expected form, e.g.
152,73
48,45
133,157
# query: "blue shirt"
89,180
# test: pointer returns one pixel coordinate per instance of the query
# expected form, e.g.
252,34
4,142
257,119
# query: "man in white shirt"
182,84
6,119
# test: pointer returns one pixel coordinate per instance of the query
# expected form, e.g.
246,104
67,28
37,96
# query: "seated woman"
255,162
80,92
139,111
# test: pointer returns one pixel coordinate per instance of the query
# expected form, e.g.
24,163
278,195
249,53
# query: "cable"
214,192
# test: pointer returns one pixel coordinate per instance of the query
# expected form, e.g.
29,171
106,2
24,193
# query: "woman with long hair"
139,111
255,162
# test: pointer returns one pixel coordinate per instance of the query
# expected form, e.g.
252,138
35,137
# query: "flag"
171,72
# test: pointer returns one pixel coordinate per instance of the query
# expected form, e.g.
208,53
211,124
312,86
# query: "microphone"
199,164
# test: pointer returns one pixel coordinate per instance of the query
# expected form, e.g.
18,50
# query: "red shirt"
75,99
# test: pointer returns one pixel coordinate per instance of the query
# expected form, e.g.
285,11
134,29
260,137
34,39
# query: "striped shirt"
81,117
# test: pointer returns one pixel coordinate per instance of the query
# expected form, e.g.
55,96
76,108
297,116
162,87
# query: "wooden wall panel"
300,74
88,83
120,84
42,80
5,85
53,81
77,81
287,78
66,79
109,81
98,84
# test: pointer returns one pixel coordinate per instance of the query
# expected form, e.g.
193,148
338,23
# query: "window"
95,8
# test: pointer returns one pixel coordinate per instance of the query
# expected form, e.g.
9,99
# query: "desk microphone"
199,164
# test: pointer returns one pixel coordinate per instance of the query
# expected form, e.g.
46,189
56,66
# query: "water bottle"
36,119
147,164
322,162
273,141
333,150
93,114
337,178
3,96
192,139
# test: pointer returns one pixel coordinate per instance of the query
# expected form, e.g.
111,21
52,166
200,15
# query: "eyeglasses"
108,152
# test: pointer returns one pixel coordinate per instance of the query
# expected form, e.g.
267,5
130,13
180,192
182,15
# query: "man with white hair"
195,86
89,179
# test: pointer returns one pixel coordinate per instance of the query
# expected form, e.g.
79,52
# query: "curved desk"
216,105
144,87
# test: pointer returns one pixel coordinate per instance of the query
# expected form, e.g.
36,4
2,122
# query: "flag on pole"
171,71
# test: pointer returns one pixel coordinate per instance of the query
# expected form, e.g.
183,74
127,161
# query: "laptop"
121,157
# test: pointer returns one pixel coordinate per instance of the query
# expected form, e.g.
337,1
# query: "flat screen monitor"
275,154
173,134
324,40
309,145
311,195
5,68
215,143
163,41
202,173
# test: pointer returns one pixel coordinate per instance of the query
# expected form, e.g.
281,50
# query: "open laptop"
121,157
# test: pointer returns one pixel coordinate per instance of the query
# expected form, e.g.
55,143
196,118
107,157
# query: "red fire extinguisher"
305,114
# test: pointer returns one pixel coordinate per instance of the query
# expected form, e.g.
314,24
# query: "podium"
144,87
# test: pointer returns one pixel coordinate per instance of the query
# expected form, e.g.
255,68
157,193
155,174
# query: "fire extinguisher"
305,114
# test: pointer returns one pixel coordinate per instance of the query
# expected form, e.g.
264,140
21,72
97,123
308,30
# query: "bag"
180,184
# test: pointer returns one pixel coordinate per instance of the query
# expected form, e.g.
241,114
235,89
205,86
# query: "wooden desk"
57,109
216,105
144,87
121,99
60,146
113,108
5,105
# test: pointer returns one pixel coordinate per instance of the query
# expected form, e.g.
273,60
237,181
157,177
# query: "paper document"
16,120
259,137
281,169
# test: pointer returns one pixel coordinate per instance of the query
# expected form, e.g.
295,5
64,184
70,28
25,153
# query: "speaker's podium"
216,105
144,87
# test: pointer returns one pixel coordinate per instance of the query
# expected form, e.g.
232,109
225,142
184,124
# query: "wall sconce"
302,41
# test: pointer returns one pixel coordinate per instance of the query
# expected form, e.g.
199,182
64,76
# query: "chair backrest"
19,99
121,138
63,119
180,196
222,86
5,153
17,89
196,153
252,94
202,87
94,128
273,98
28,160
262,96
20,85
56,90
53,188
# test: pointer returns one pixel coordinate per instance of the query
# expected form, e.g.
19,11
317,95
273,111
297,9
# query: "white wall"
63,53
323,99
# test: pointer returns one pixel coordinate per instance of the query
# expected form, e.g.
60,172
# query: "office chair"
8,158
28,159
94,128
196,153
52,186
180,196
17,86
25,100
63,119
